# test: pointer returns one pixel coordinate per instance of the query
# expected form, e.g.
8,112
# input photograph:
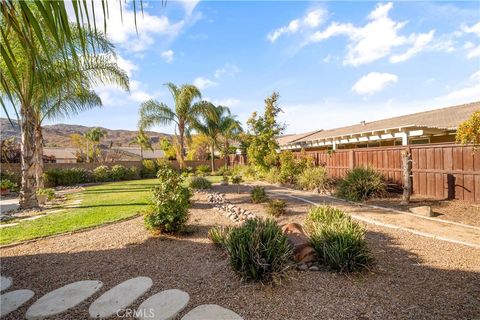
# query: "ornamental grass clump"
170,203
313,178
338,240
259,251
218,235
276,207
361,184
258,195
199,183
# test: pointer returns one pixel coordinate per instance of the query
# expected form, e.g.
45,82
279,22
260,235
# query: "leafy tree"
469,131
168,148
263,131
94,136
198,147
183,115
143,141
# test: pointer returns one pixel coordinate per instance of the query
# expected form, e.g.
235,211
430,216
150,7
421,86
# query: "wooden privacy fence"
441,171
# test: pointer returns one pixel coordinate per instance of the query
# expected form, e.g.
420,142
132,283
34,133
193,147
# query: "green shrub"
102,174
218,235
237,179
199,183
258,194
12,176
8,185
170,203
119,172
225,180
361,184
258,250
290,168
203,169
149,169
320,215
273,175
276,207
132,173
223,171
49,192
338,240
313,177
66,177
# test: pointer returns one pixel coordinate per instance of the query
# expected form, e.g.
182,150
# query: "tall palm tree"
184,114
143,141
231,128
216,124
68,88
94,136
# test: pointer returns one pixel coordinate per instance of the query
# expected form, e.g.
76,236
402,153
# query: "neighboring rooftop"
432,121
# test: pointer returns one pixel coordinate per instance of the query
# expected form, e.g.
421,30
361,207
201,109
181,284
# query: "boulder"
423,211
307,254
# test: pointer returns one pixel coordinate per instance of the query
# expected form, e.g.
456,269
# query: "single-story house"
69,155
61,155
434,126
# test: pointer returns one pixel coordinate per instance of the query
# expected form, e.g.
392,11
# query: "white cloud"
228,69
126,65
312,19
373,82
168,56
189,5
475,29
473,52
377,39
420,42
121,28
470,91
203,83
229,102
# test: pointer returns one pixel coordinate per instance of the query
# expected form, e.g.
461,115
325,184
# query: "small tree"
469,131
263,130
143,141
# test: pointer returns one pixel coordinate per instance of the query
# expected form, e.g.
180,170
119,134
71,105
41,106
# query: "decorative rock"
302,267
5,283
164,305
314,268
12,300
211,312
306,254
62,299
423,211
119,297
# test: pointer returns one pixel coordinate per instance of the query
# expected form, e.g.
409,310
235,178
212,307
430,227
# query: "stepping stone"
5,283
119,297
62,299
211,312
12,300
164,305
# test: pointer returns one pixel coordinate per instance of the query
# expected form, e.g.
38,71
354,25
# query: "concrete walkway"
424,226
8,204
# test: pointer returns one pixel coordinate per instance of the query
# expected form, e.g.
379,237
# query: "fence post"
407,175
351,159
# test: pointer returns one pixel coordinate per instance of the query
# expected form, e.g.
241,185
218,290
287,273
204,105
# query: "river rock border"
230,210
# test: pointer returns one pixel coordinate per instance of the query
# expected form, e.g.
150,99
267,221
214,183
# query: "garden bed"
415,277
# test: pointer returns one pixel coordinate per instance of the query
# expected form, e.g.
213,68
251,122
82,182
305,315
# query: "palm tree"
231,128
143,141
183,115
216,124
94,135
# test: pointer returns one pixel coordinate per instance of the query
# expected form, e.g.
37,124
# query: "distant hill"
58,135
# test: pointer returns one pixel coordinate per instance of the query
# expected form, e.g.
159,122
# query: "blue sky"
333,63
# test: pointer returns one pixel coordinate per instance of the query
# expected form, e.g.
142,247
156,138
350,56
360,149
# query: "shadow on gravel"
401,286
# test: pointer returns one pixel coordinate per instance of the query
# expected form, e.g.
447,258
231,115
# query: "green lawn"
101,204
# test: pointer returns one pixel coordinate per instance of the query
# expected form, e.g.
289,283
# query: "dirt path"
423,226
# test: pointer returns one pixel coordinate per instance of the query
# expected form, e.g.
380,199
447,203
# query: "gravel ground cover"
453,210
415,277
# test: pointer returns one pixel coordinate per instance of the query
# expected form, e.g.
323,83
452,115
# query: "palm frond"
153,113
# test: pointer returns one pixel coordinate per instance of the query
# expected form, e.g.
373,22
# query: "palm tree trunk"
88,156
226,152
28,197
141,152
181,132
39,156
212,157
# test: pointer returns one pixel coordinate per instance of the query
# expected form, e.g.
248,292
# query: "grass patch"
101,204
